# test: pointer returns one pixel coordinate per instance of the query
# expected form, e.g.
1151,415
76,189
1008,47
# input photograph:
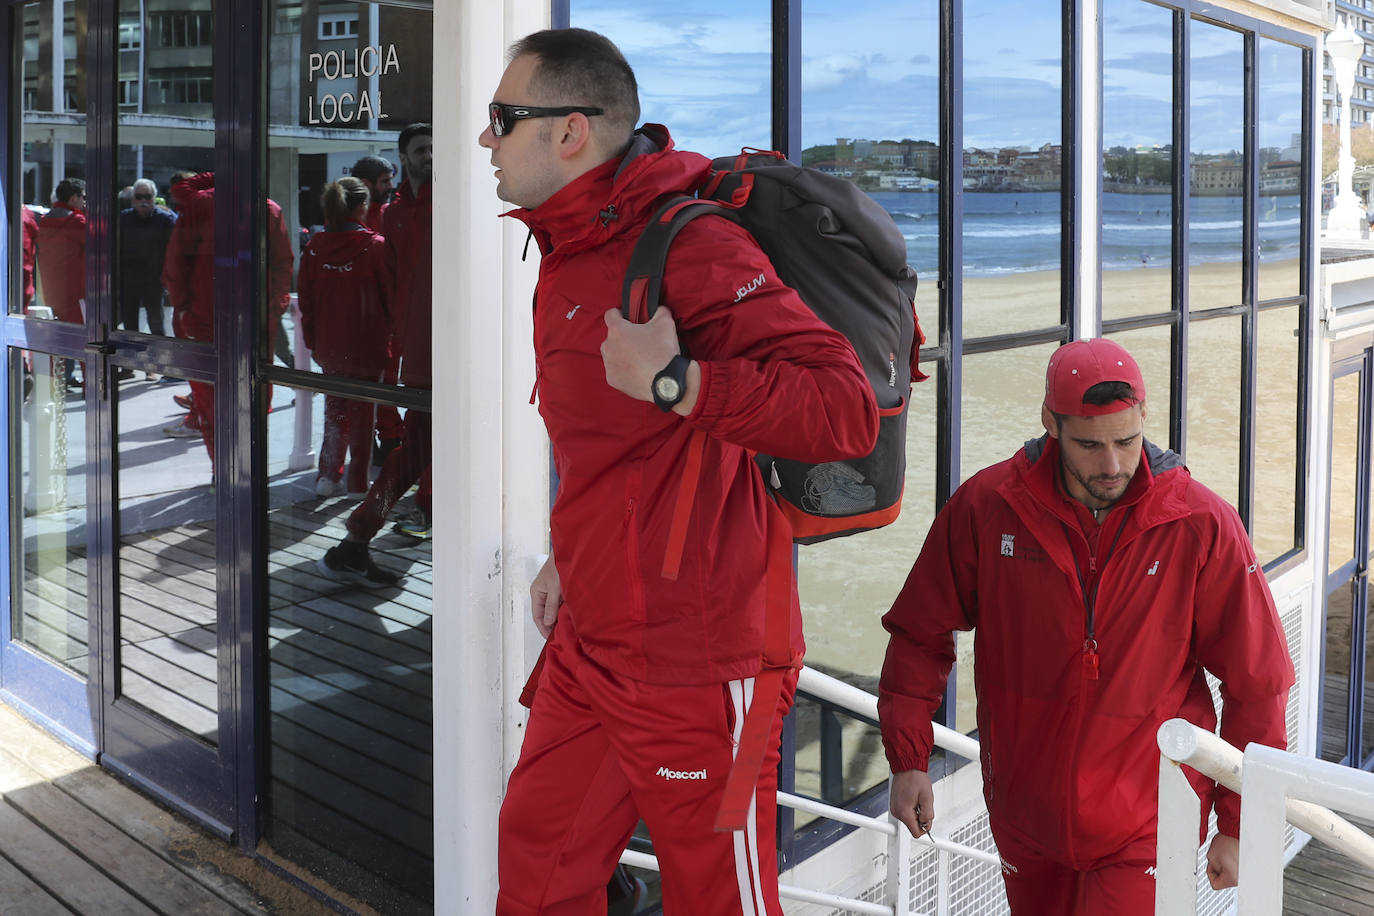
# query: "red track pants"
603,751
1120,885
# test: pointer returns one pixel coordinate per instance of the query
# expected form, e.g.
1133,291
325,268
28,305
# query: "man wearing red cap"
1100,580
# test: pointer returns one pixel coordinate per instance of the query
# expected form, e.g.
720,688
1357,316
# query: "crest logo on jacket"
1008,549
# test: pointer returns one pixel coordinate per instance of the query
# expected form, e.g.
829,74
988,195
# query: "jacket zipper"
632,556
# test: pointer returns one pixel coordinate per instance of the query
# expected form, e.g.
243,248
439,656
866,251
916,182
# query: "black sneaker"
348,561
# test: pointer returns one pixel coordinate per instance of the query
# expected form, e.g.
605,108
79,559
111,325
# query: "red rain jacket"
344,285
1071,764
62,261
30,252
406,223
188,272
773,379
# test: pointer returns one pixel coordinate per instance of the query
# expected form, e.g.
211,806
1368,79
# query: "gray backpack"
846,258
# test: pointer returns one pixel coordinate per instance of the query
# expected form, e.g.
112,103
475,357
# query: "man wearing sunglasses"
654,617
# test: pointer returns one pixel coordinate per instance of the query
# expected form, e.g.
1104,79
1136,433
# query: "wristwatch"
671,383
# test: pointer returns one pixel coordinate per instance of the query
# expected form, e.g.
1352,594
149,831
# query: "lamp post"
1346,219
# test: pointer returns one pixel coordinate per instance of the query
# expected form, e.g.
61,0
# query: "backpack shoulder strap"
639,295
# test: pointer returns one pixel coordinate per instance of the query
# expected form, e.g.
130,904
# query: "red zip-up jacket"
344,285
773,379
188,272
1071,763
62,261
408,226
29,251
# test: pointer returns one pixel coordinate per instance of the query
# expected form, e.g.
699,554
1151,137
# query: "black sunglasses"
503,117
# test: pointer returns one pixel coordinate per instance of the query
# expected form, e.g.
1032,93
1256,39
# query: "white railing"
899,839
1275,786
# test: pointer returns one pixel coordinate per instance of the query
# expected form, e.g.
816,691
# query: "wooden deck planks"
1321,880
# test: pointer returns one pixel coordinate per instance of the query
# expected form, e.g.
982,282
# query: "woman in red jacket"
344,288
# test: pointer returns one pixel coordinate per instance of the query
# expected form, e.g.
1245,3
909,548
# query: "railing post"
302,454
1263,798
1180,813
898,866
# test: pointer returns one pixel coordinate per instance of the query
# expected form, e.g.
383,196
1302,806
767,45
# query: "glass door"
1347,720
111,395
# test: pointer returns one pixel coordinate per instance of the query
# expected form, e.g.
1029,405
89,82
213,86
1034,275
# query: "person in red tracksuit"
344,284
61,261
406,226
377,173
188,273
30,252
658,651
1100,580
62,252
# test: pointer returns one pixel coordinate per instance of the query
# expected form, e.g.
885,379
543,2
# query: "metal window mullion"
1249,323
786,78
1306,280
1178,357
949,378
1070,140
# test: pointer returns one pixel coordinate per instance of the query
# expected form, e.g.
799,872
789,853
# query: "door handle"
103,347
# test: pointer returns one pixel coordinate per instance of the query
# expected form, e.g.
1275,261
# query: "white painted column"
1088,203
491,467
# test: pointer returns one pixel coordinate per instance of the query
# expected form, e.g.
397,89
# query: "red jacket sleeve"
774,377
939,597
1239,638
179,262
305,297
279,262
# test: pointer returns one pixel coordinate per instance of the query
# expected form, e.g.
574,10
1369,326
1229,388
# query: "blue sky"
870,69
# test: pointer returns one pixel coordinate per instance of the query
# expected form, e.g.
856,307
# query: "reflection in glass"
1345,463
350,705
165,532
870,113
1335,689
48,522
351,709
1137,159
1213,455
1367,729
1274,526
1150,347
1281,145
1216,166
1003,393
1013,151
165,136
702,67
52,167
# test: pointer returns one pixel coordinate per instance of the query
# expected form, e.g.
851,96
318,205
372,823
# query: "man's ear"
576,135
1050,423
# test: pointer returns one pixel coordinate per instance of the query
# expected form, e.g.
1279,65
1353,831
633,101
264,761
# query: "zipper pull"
1092,662
535,390
1092,564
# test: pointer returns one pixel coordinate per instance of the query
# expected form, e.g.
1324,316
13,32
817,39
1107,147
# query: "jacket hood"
204,181
617,195
339,245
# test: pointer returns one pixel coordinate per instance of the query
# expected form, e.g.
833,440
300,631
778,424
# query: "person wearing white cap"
1100,580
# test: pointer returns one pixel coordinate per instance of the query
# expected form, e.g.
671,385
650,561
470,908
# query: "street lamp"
1346,219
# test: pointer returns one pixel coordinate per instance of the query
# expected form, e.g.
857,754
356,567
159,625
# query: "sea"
1014,232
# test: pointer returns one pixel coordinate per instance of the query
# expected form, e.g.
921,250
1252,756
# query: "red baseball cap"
1077,366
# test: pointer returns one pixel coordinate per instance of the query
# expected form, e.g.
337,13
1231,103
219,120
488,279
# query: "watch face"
667,388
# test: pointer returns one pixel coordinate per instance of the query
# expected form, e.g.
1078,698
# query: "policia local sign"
350,64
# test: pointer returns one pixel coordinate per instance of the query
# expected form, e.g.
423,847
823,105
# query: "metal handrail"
1183,742
865,705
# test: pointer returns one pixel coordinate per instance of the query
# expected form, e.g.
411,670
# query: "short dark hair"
411,131
581,67
1104,393
370,168
67,188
